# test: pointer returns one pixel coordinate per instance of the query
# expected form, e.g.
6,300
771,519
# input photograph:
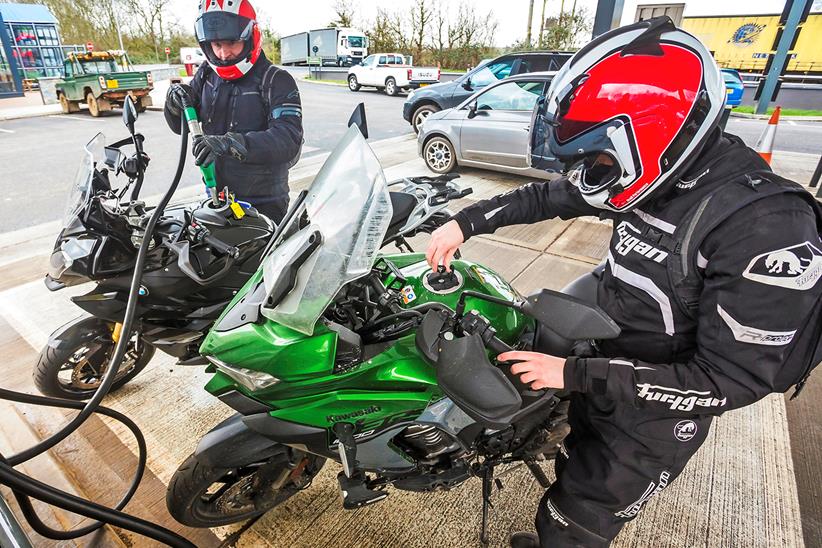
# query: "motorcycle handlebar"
221,247
498,346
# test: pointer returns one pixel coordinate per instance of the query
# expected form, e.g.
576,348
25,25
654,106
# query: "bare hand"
538,370
444,243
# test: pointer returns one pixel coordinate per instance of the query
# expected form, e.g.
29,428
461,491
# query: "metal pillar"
5,45
778,63
608,16
11,533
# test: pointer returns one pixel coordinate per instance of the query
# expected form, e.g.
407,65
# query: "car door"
498,132
366,74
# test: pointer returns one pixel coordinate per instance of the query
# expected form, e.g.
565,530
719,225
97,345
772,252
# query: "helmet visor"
219,25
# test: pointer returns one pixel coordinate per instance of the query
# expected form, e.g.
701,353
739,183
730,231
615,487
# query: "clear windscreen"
81,189
349,205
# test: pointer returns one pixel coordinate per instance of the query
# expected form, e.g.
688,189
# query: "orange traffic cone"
764,146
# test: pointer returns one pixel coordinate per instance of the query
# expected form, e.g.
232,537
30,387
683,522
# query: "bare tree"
344,11
542,24
530,23
420,17
563,31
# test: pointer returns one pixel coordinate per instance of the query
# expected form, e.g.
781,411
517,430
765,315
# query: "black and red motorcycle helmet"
229,20
628,113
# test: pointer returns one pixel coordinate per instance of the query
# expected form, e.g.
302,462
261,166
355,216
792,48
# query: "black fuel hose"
27,486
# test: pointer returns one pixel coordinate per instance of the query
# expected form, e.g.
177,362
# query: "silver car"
488,130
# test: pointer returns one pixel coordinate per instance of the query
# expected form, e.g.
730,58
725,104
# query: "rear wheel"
75,368
203,496
93,107
439,155
391,87
353,85
68,106
140,106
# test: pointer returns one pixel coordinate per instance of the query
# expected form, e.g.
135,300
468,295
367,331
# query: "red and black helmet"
628,113
233,21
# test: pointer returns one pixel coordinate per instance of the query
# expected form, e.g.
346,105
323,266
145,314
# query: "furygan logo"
679,400
354,414
629,241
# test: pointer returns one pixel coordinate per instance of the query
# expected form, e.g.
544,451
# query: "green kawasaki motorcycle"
335,351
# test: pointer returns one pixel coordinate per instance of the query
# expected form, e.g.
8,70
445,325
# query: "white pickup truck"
392,72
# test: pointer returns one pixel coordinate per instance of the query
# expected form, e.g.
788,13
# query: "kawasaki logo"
354,414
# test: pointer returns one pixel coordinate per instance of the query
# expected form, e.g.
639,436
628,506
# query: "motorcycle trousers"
616,458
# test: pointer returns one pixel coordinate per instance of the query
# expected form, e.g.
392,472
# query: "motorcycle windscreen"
349,205
81,189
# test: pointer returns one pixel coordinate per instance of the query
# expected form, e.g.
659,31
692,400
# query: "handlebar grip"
221,247
498,346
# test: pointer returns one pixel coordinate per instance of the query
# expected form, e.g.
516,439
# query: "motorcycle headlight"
249,378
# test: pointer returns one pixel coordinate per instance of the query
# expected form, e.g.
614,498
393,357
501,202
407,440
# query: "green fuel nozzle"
209,176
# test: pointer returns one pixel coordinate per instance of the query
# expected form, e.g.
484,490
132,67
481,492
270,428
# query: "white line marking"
791,122
74,118
6,130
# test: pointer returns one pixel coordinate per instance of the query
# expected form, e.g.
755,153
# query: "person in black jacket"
712,272
250,110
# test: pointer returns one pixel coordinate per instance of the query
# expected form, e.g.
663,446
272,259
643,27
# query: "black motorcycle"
200,257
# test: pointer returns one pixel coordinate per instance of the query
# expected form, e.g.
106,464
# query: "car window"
511,96
731,78
368,60
382,60
541,63
492,73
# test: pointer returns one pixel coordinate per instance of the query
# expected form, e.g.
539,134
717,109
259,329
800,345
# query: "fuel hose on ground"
25,486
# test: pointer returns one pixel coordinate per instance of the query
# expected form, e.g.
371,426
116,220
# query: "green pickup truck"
102,80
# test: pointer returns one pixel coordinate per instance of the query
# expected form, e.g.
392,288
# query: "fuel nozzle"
196,130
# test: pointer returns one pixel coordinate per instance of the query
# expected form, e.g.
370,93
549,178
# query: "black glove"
208,147
177,95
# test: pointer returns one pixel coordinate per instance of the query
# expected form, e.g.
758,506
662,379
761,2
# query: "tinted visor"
219,25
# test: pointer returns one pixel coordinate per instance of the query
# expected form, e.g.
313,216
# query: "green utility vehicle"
102,80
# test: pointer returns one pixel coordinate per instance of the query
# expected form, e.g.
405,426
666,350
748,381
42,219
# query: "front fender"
230,443
83,328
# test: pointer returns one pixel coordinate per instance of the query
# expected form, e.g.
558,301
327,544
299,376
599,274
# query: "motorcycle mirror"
358,119
569,317
129,114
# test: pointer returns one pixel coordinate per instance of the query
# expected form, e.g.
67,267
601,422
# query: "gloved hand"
207,147
176,95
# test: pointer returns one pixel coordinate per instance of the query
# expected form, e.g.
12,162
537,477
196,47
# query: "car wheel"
421,114
353,85
67,106
391,87
439,155
93,107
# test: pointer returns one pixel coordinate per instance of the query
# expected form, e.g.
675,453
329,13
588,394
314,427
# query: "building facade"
34,41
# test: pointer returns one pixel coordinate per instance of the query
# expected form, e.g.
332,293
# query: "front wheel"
353,85
72,365
204,496
421,113
439,155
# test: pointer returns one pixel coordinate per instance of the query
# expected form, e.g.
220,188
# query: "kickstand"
487,485
543,480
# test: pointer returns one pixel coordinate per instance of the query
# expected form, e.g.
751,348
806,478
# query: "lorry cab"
352,47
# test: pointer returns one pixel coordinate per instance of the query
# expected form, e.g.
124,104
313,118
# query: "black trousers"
616,458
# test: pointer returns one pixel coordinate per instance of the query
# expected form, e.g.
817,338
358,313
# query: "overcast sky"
283,18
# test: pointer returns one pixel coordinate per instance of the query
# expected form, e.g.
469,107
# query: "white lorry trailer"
342,47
